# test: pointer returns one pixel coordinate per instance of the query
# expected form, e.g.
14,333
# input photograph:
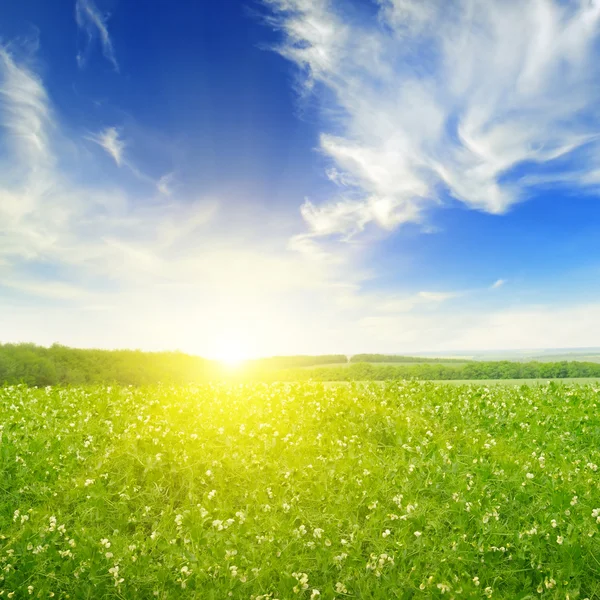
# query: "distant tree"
60,365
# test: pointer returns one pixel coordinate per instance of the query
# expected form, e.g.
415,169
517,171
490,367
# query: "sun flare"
232,353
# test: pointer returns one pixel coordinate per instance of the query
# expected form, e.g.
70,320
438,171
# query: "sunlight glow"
231,352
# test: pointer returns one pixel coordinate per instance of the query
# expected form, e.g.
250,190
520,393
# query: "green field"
284,491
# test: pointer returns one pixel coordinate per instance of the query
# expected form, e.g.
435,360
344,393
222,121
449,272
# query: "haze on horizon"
284,177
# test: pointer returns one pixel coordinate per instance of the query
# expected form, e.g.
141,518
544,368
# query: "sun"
231,353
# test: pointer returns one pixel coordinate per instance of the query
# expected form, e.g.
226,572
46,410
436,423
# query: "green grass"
284,491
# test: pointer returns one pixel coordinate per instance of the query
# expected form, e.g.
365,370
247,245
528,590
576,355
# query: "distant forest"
427,371
59,365
396,358
290,362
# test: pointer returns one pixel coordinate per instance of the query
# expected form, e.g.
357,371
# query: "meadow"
300,491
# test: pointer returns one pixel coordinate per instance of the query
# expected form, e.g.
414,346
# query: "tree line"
397,358
290,362
59,365
428,371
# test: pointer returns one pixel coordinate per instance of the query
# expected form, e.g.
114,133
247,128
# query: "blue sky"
300,176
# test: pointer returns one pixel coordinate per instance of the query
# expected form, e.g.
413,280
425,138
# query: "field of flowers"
300,491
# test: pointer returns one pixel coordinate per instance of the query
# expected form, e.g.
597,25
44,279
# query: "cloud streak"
112,142
152,255
46,216
93,25
431,100
110,139
27,115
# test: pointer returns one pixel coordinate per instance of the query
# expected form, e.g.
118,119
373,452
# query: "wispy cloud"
93,24
26,111
113,143
373,305
164,184
150,253
45,215
110,139
544,326
430,98
498,284
177,270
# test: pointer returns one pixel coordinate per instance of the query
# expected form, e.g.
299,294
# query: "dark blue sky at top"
205,98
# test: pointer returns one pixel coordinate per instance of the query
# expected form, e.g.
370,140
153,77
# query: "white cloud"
26,114
47,216
163,271
93,24
498,284
110,139
373,305
544,326
344,216
575,325
165,183
454,96
181,264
